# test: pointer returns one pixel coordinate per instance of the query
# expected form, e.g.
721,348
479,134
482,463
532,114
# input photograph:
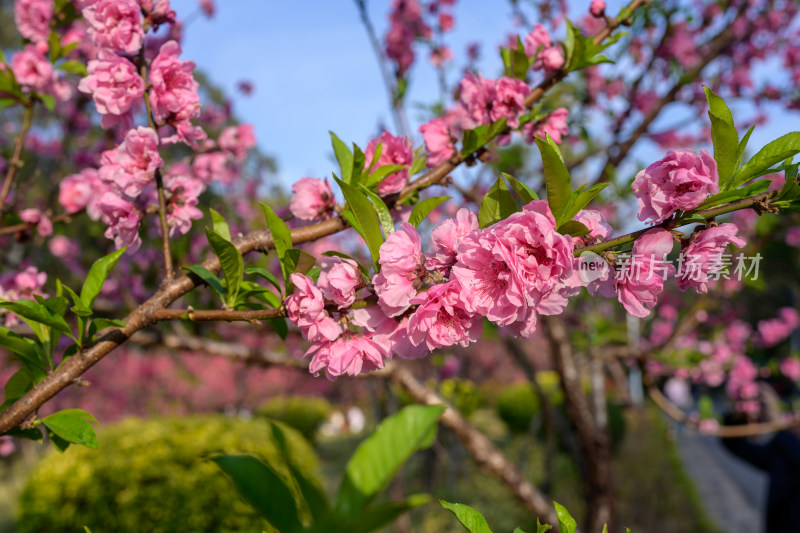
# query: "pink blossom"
511,270
440,55
702,259
508,100
551,59
441,319
306,310
554,124
312,199
446,21
208,7
237,140
182,193
642,279
406,24
390,334
82,191
64,248
773,331
599,229
681,180
402,267
537,40
132,165
122,219
349,355
116,24
174,94
32,69
115,86
597,8
395,150
708,426
33,18
790,367
158,11
339,280
741,378
477,94
438,141
210,167
44,226
7,446
445,238
793,237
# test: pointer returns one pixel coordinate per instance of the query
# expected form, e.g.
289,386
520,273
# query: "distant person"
779,457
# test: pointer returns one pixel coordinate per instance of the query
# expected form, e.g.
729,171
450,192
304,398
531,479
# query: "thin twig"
15,163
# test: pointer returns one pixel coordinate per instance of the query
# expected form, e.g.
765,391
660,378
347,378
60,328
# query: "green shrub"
517,405
154,476
463,394
303,413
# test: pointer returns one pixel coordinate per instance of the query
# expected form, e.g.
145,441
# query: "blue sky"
314,71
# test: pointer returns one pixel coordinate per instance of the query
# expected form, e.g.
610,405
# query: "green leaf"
384,216
472,520
263,489
516,62
38,313
7,102
30,434
367,218
299,261
281,237
279,326
25,349
208,278
790,190
542,528
96,278
477,137
773,153
736,194
266,274
527,194
344,156
74,67
424,208
605,528
380,456
48,100
103,323
311,490
417,165
566,524
232,264
381,173
72,426
375,517
723,136
220,225
497,205
16,387
743,146
556,175
574,228
580,199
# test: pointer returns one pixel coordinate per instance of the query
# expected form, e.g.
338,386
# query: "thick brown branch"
486,454
217,315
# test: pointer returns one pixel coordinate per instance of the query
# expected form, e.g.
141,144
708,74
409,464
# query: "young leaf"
375,517
38,313
74,67
424,208
366,216
580,199
736,194
298,261
208,278
723,136
574,228
542,528
72,426
380,456
279,326
497,205
96,278
219,224
384,216
16,387
527,194
773,153
381,173
232,264
263,489
556,175
566,524
266,274
472,520
344,156
281,237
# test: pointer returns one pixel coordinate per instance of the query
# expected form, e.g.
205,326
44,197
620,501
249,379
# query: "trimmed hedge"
153,475
304,413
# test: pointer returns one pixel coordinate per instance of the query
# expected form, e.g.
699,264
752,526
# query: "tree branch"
15,163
